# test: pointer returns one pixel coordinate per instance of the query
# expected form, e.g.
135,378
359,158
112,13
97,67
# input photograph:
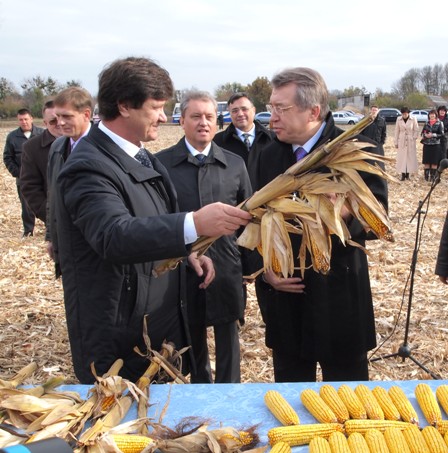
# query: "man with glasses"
33,171
325,319
12,157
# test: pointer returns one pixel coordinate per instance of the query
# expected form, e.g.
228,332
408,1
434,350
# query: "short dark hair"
48,105
441,107
405,110
236,96
24,112
77,97
133,80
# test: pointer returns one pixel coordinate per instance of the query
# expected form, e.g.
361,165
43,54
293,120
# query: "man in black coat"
204,173
325,319
33,171
442,256
12,157
377,130
117,217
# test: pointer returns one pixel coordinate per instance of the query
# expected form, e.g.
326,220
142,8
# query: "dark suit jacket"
442,257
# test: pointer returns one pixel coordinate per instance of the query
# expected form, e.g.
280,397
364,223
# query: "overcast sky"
206,43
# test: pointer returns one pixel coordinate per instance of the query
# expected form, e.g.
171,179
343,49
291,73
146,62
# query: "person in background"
443,118
377,130
325,319
432,134
246,137
33,171
221,121
442,256
12,156
117,217
405,136
73,109
204,173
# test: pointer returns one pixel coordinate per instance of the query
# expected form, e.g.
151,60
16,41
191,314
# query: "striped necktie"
247,140
143,158
201,158
300,153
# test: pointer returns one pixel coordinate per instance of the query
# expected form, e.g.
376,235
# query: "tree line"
411,90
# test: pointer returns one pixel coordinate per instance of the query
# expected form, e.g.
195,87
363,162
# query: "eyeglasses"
278,110
237,109
53,122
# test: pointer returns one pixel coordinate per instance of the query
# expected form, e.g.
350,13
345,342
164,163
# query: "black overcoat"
335,316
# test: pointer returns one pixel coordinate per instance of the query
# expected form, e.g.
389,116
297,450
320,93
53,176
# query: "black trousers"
28,218
289,368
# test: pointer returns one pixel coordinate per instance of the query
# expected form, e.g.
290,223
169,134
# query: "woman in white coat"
406,134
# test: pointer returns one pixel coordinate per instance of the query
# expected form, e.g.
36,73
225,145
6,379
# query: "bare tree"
438,78
426,78
408,84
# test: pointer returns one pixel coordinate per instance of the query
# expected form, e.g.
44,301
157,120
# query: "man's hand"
288,285
50,250
443,279
203,266
219,219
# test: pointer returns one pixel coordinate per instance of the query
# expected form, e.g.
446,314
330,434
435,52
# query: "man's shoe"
27,234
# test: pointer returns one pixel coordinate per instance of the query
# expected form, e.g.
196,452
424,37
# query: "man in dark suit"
12,157
204,173
325,319
116,217
377,130
33,171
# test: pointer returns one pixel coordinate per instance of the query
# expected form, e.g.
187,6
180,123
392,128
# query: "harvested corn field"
32,321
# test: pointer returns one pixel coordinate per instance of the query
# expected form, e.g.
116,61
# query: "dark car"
390,115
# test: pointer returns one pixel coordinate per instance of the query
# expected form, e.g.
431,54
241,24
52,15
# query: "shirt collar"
128,147
195,152
73,143
240,132
308,146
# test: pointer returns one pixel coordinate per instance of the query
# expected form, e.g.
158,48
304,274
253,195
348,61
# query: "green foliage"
354,91
416,101
224,92
260,91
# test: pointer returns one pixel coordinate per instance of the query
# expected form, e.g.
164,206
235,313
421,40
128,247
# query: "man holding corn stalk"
324,317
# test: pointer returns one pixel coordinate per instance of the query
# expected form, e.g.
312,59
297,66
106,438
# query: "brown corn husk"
18,379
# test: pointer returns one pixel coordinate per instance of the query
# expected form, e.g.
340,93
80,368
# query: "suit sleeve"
442,257
9,157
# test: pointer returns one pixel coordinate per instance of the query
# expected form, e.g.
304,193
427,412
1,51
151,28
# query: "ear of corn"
317,407
442,396
376,442
375,224
442,427
428,403
434,440
395,441
404,406
361,426
352,403
329,394
373,409
384,400
281,447
302,434
280,408
131,443
415,439
319,445
357,443
338,443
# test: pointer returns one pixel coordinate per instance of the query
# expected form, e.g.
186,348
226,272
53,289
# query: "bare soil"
32,319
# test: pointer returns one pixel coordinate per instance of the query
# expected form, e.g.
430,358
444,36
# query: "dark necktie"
143,158
300,153
247,140
201,158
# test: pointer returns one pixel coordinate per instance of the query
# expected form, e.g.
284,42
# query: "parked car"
263,117
390,115
352,113
344,118
420,115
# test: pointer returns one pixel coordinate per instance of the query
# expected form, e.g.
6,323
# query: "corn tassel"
361,426
317,407
357,443
280,408
415,439
338,443
281,447
428,403
352,402
387,405
442,397
395,441
131,443
376,442
329,394
404,406
434,440
371,405
319,445
302,434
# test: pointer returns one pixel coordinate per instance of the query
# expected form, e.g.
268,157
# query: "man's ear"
315,113
123,109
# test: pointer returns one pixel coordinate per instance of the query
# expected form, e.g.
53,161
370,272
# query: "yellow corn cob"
376,442
280,408
281,447
442,396
395,441
319,445
373,409
320,261
415,439
317,407
361,426
329,394
428,403
302,434
357,443
403,405
354,406
338,443
131,443
387,405
275,263
246,438
434,440
442,427
376,225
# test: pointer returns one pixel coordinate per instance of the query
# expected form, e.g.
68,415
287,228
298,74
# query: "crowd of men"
113,211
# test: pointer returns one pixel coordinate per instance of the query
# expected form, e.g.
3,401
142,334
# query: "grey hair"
311,89
195,95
